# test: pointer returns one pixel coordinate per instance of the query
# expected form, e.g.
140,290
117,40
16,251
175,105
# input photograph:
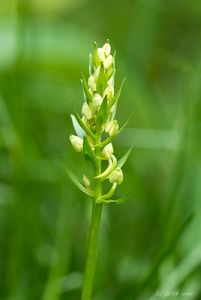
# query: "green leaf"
88,152
117,201
118,94
114,56
78,129
91,69
87,94
77,182
115,99
102,81
103,115
124,158
95,56
84,127
122,128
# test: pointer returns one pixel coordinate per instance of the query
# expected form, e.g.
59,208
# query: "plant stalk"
93,235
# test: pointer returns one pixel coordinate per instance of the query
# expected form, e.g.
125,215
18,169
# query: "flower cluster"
97,126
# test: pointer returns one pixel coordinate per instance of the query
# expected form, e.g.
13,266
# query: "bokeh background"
150,246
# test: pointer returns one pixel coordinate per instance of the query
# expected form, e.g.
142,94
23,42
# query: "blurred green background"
149,246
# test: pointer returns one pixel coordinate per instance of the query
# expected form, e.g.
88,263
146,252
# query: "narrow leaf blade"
88,96
84,127
122,128
114,201
90,64
115,100
102,81
103,115
76,181
78,129
124,158
95,55
88,152
118,94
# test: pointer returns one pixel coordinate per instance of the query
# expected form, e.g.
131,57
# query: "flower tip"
101,54
96,102
107,49
107,151
108,61
86,111
86,181
76,142
112,128
116,176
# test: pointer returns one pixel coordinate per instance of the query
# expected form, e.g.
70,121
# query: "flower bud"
116,176
108,62
76,142
107,151
96,102
92,83
107,49
86,111
86,181
101,55
112,128
109,91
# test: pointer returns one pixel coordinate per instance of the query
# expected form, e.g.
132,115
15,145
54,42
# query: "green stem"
93,236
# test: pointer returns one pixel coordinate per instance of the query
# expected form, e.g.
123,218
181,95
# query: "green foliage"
103,115
118,94
88,96
115,201
77,182
102,80
78,129
124,158
84,127
88,152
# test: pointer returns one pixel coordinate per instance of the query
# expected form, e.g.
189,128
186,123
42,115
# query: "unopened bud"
112,128
86,111
76,142
109,91
107,151
107,49
116,176
101,55
96,102
108,62
92,83
86,181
